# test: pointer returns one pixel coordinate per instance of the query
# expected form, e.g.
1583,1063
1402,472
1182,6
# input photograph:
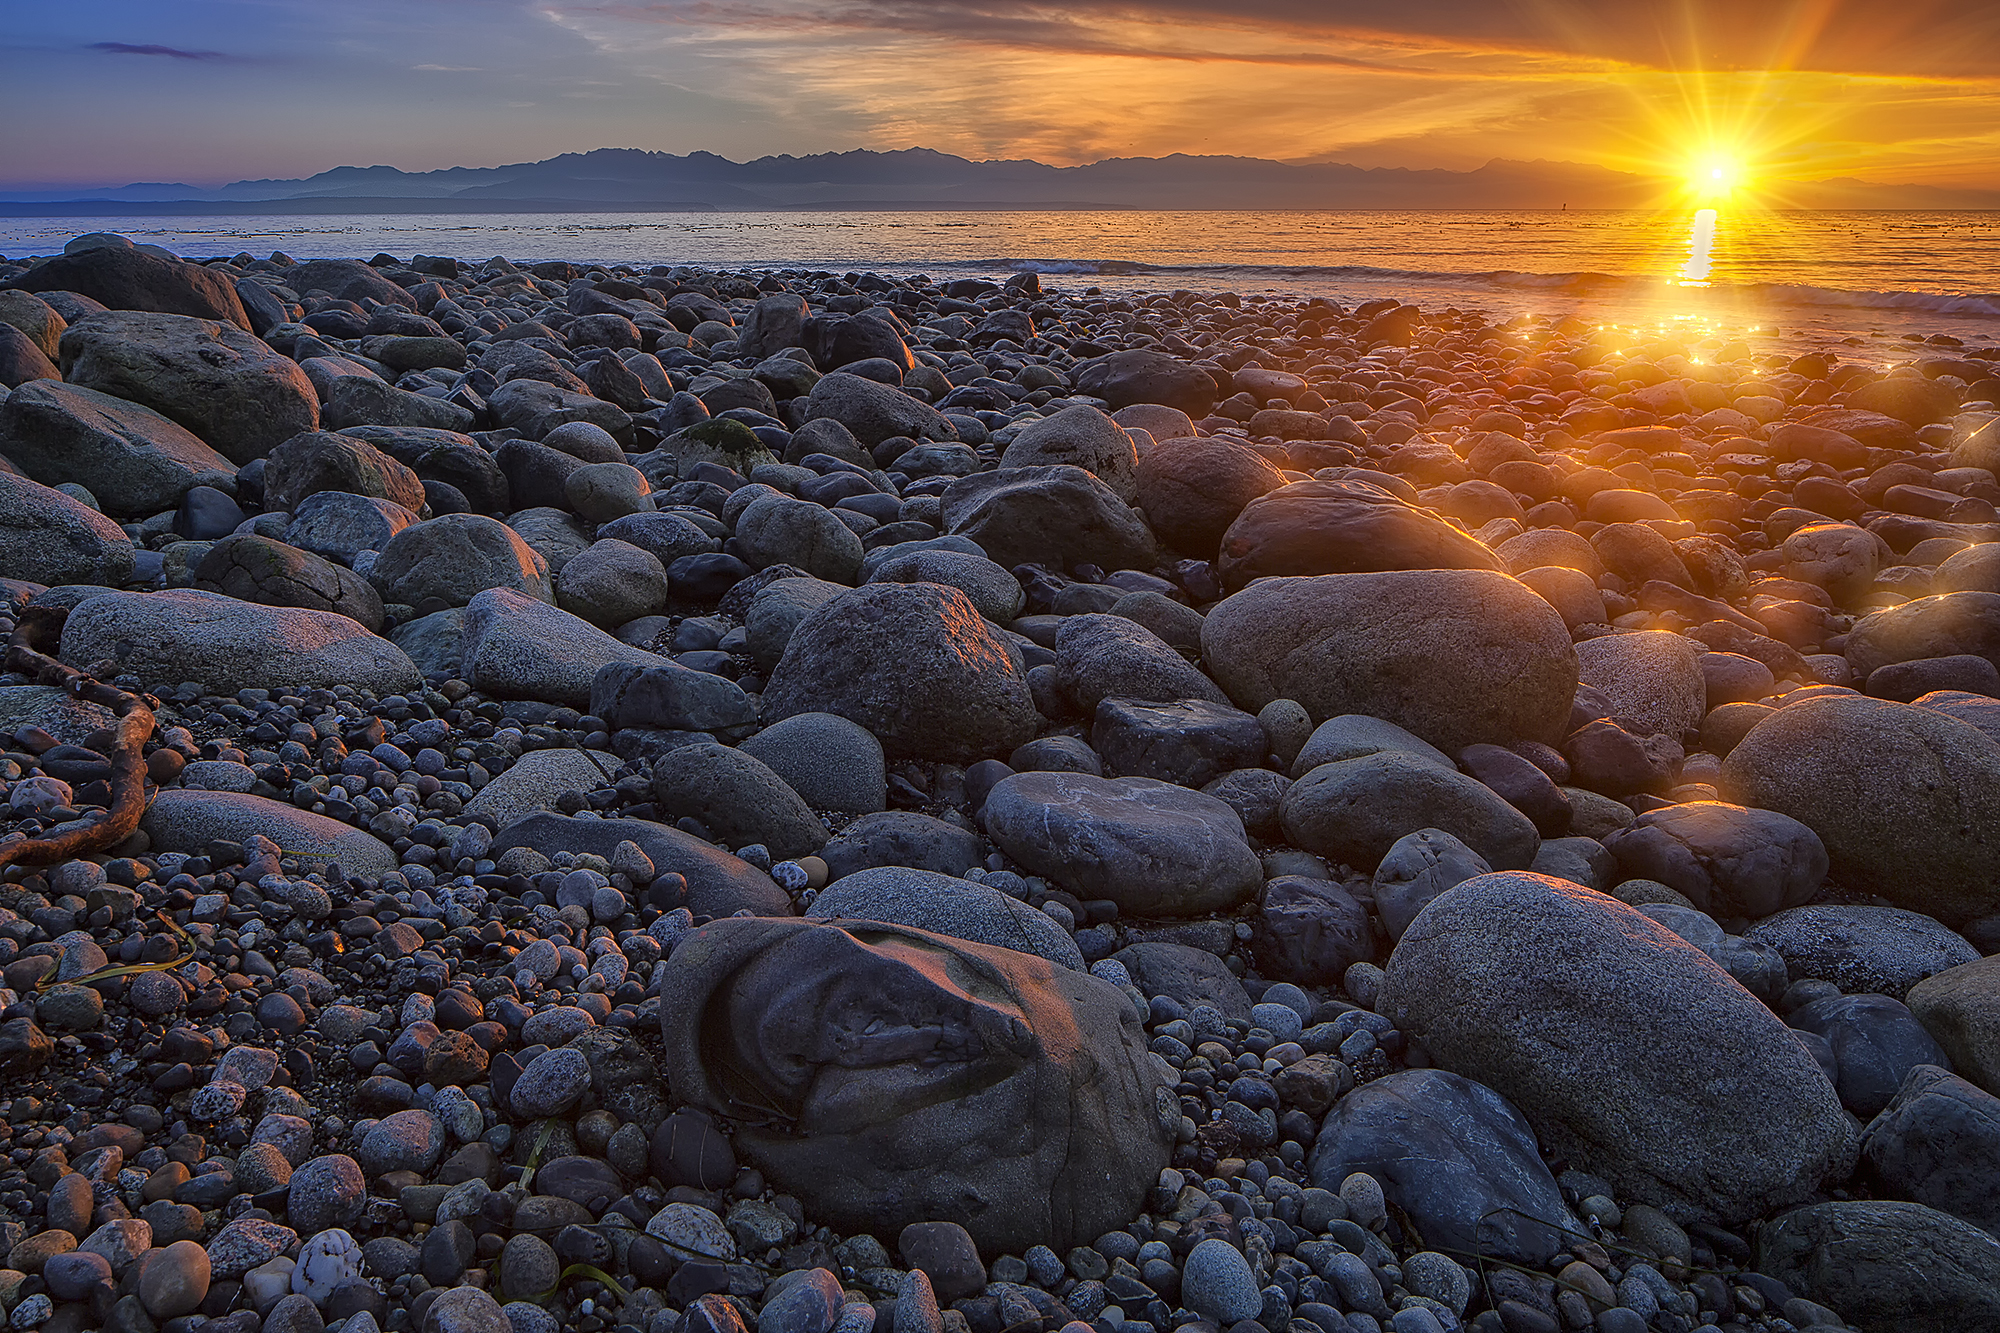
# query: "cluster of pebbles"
684,801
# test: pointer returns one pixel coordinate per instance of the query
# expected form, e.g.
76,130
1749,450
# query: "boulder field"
688,800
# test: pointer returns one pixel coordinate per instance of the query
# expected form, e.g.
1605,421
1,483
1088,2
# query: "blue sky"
105,92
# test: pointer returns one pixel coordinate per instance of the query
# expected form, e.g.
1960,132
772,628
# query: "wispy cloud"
170,52
448,69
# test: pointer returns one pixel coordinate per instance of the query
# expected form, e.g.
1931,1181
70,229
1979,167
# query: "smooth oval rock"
1455,656
1739,1122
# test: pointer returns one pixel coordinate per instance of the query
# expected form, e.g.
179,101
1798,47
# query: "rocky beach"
643,799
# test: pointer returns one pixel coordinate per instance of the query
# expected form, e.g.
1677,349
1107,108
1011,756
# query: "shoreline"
1216,705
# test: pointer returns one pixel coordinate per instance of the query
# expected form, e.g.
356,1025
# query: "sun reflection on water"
1701,251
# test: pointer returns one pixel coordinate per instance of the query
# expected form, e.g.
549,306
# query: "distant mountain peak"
632,179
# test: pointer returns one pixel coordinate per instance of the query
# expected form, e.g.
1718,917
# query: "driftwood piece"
29,652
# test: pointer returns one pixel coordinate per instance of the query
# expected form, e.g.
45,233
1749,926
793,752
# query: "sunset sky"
100,92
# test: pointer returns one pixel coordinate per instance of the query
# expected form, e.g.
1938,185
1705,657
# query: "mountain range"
635,180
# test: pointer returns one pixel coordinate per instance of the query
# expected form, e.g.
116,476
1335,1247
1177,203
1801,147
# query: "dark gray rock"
736,798
1152,848
1888,1267
1453,1154
232,645
135,461
1862,949
1730,861
875,412
51,538
1354,811
1100,656
945,905
442,455
669,697
1082,437
903,838
1739,1122
1058,516
1192,488
1124,378
1186,974
1455,656
1340,527
226,385
1937,1142
1309,931
1066,1128
1905,798
455,558
270,573
319,461
520,648
1418,868
1876,1042
916,664
127,278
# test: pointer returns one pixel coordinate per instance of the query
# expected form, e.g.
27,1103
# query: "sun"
1713,177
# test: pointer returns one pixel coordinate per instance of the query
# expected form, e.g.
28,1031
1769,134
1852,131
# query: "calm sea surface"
1804,276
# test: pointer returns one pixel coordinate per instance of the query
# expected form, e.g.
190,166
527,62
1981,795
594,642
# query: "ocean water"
1798,277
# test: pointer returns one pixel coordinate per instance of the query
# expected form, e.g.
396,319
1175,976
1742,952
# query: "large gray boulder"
1024,1107
340,526
737,798
1340,527
1060,516
182,634
188,821
1099,656
1145,376
1193,487
125,277
666,696
1562,1000
1938,1142
1940,626
347,280
359,400
317,461
1860,948
916,664
875,412
518,647
224,384
1079,436
611,582
135,461
1906,799
834,763
51,538
1355,810
995,591
777,611
945,905
1728,860
455,558
1455,656
442,455
781,530
1888,1267
1456,1157
1652,679
1153,848
258,569
772,325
